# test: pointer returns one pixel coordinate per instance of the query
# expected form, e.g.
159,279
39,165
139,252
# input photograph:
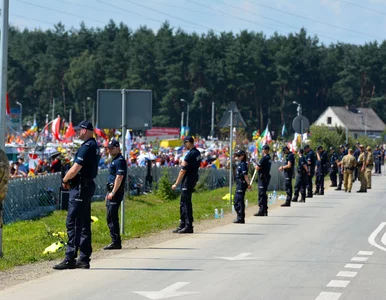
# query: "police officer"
340,168
369,166
362,170
311,162
321,165
115,193
348,163
377,160
79,180
288,169
242,183
264,168
356,154
188,177
301,178
333,168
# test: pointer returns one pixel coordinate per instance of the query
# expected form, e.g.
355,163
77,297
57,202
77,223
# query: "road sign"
301,124
238,120
138,109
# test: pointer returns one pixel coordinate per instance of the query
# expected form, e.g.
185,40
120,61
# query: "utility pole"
53,108
212,127
3,87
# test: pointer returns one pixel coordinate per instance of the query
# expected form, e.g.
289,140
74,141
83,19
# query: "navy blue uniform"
193,160
241,187
333,169
79,206
377,161
288,174
301,180
311,162
321,172
264,178
118,166
357,152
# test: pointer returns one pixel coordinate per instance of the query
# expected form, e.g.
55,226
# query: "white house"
358,121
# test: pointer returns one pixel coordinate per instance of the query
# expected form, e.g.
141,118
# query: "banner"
163,131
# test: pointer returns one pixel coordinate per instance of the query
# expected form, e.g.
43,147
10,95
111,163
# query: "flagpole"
230,158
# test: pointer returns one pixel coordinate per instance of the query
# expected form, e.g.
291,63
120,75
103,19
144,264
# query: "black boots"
260,213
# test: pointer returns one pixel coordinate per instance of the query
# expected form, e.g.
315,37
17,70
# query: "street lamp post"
21,115
187,112
363,123
299,109
93,110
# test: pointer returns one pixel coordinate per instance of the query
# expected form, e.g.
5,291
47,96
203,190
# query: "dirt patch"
25,273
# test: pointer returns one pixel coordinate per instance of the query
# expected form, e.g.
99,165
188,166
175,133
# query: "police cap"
113,143
265,147
240,152
368,148
189,139
319,147
357,143
301,151
306,147
331,148
285,148
341,146
85,125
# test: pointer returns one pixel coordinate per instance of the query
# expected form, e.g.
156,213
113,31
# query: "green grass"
24,242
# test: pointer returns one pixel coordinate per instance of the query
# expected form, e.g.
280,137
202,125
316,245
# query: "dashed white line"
354,266
338,283
359,258
347,274
365,253
328,296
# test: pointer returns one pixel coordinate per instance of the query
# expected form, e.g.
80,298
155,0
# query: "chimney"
352,108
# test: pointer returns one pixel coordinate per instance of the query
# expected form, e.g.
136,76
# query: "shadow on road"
146,269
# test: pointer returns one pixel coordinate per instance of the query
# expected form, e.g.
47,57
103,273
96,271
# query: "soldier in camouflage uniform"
349,163
361,170
4,177
369,166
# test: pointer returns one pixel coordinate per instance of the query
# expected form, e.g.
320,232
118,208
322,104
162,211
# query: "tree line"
262,75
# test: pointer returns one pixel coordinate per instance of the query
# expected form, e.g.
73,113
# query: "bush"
164,190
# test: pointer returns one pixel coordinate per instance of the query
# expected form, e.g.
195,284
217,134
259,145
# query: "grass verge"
24,242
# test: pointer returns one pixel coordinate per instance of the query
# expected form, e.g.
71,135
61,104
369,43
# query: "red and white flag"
55,127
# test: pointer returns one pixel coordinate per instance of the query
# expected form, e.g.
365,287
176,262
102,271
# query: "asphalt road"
331,247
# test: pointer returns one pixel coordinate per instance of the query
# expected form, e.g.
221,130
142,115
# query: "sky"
333,21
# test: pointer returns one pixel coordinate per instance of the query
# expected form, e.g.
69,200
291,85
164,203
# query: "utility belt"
264,177
301,171
370,166
80,181
110,187
349,168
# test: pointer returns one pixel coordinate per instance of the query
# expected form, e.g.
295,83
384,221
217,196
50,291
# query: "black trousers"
334,177
239,203
186,208
112,218
78,222
309,184
288,185
263,198
340,179
301,185
320,182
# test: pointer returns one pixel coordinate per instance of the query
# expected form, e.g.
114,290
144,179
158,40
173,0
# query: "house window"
329,122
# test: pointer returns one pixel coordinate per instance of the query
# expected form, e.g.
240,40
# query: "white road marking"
358,258
328,296
338,283
374,235
347,274
169,292
365,253
241,256
354,266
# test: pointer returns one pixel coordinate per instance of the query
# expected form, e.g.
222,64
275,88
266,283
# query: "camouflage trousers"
368,177
362,180
347,179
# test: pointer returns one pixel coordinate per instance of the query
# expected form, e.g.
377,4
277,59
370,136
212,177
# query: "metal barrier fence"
30,198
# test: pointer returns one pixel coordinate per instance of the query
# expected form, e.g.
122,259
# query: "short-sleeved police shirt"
241,171
193,160
118,166
265,165
88,157
333,159
301,162
290,158
311,159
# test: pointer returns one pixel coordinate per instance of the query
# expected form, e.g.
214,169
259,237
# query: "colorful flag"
100,133
7,106
283,130
55,127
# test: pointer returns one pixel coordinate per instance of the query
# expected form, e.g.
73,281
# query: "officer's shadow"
147,269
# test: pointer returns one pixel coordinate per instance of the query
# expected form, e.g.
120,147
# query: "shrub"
164,190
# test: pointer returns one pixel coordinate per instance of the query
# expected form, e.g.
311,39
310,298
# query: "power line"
183,7
363,7
171,16
315,21
232,16
267,18
59,11
28,18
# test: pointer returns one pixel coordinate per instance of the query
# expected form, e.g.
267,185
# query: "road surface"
331,247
